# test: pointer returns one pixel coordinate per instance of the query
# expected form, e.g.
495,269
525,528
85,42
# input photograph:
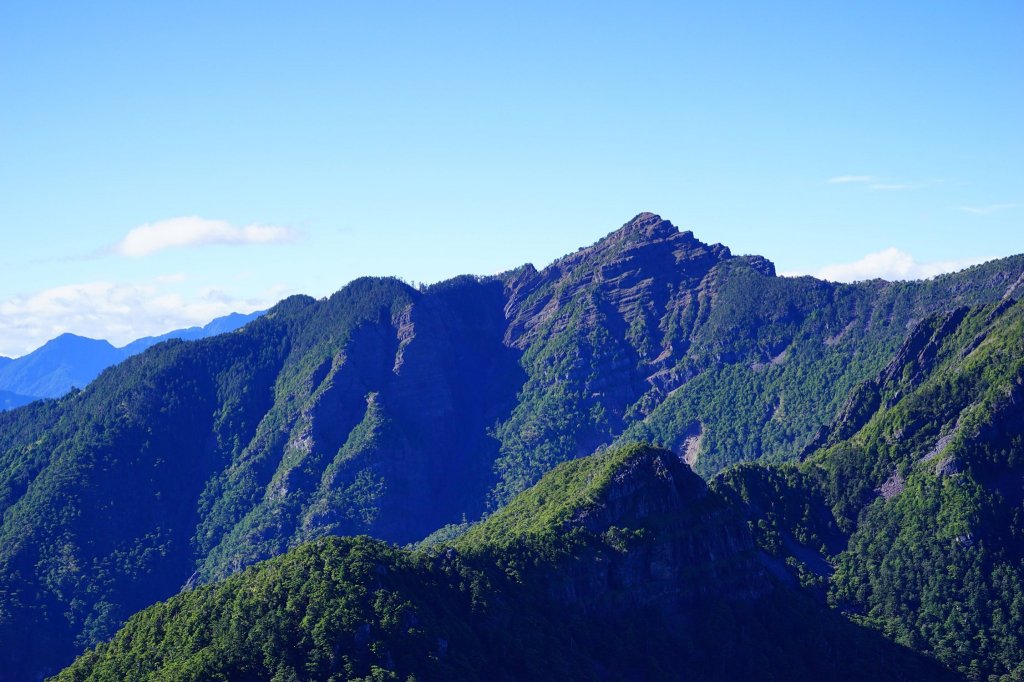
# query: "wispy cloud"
118,312
890,264
892,186
192,231
850,179
873,183
988,210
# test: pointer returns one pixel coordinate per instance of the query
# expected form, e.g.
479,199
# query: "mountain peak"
69,339
644,227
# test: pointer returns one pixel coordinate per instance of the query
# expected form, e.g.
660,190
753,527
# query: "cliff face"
388,435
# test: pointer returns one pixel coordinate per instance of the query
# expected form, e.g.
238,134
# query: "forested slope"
909,519
390,411
621,566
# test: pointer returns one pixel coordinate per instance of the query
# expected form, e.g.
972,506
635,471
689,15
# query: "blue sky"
163,163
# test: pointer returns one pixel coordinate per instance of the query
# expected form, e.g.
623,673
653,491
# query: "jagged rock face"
644,269
916,357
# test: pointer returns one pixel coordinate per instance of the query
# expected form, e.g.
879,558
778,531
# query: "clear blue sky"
430,139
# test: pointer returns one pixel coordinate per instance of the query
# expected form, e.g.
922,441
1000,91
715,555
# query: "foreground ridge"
620,566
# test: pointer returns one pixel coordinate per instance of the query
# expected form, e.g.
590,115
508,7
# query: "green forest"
205,509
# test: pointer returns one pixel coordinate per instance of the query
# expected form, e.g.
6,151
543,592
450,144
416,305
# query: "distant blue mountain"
8,400
51,370
70,360
221,325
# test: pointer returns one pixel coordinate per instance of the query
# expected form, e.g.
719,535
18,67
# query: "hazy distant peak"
68,338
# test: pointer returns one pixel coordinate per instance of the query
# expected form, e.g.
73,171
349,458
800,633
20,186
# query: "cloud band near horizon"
890,264
118,312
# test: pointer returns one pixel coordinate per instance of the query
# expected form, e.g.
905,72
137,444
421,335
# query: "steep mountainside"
357,413
910,517
654,335
53,369
390,411
618,567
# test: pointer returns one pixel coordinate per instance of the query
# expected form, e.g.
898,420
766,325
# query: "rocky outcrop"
916,357
892,487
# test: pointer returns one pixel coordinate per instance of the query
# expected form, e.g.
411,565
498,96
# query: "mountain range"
70,360
858,512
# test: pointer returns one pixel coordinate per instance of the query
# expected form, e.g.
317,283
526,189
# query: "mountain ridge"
390,411
71,360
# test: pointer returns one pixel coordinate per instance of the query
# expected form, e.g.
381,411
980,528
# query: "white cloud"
890,264
890,186
195,231
873,183
848,179
988,210
118,312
